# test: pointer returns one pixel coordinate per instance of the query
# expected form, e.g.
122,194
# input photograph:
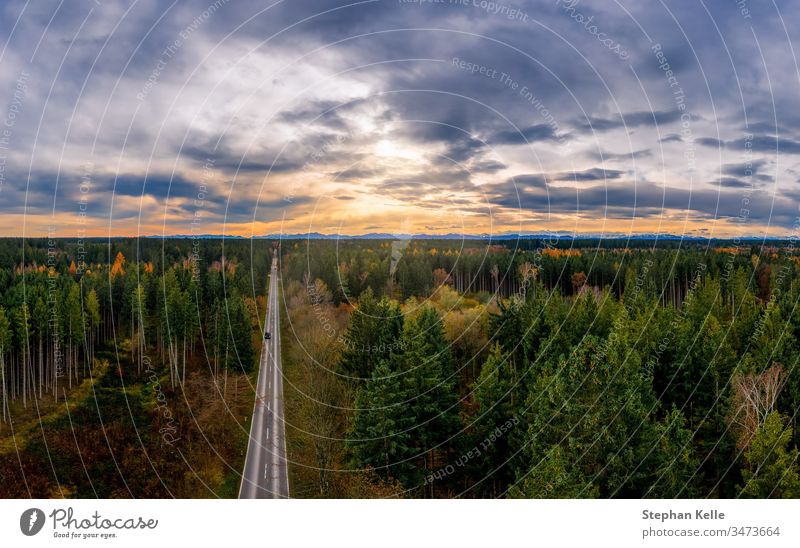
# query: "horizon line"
422,235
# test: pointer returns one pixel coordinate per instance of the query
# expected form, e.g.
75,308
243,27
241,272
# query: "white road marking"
268,392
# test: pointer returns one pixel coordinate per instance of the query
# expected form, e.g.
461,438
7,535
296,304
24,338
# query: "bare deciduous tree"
755,397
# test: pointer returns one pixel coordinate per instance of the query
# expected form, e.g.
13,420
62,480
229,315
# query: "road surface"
265,468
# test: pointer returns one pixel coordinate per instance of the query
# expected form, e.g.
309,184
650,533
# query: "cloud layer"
212,116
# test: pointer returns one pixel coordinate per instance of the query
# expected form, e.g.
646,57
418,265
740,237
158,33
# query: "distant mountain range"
456,236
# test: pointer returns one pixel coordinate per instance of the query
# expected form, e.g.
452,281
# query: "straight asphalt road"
266,472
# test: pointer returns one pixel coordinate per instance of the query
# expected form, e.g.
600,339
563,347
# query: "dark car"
267,335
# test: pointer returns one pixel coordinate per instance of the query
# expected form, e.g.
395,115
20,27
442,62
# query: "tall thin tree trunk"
183,381
3,375
24,381
69,365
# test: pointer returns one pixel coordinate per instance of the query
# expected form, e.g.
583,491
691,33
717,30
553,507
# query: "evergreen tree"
556,476
428,374
381,435
372,335
593,409
408,412
74,324
671,462
770,341
494,415
772,469
39,327
93,312
5,345
22,332
242,353
138,315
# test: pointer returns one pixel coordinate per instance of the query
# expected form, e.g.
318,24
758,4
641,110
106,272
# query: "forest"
546,369
125,365
534,368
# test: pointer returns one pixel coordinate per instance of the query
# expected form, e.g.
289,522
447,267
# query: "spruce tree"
772,469
494,415
407,412
593,410
428,374
373,334
5,345
381,434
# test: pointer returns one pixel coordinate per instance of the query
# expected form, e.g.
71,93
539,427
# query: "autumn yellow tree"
118,266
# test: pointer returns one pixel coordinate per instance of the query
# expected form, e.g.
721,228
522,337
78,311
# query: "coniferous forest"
532,368
124,366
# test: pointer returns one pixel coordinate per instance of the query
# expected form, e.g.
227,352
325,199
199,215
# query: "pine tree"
772,469
39,323
372,335
671,463
696,381
381,433
769,340
93,317
591,408
5,345
74,324
494,414
138,313
172,322
23,328
428,374
408,411
790,396
744,312
242,352
556,476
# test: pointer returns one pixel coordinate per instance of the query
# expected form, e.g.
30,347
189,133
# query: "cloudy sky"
248,117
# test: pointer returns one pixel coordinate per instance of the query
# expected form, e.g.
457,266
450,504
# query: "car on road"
267,335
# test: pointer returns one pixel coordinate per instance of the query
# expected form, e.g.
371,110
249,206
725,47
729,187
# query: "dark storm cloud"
158,186
357,172
630,119
527,181
401,55
239,206
768,128
225,157
766,143
732,182
540,132
710,142
321,112
440,180
329,115
487,166
626,200
462,150
593,174
37,194
601,155
756,143
744,169
62,191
